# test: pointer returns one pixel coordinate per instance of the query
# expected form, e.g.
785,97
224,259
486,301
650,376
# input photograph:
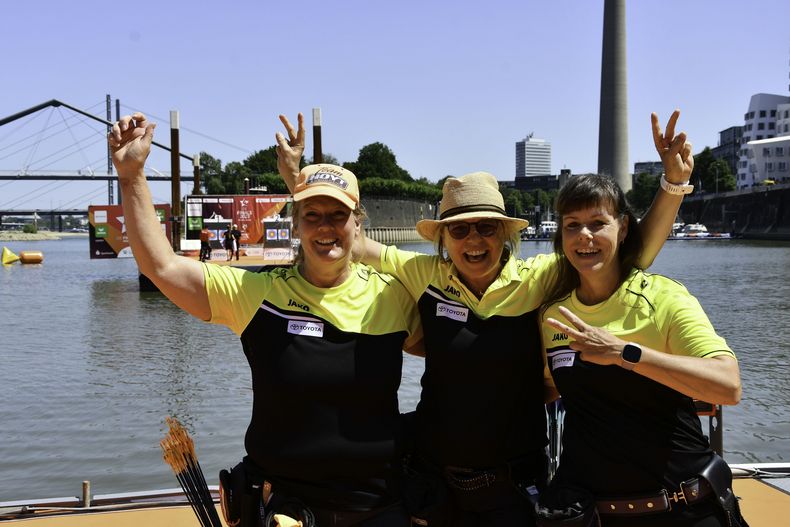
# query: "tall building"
760,122
533,157
729,147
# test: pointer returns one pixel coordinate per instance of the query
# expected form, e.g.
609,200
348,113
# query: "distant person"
481,420
629,352
236,234
323,338
227,243
205,245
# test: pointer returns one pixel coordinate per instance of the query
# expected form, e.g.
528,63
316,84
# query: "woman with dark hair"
629,351
480,425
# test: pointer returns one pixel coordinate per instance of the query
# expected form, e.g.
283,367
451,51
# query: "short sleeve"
234,295
414,270
689,329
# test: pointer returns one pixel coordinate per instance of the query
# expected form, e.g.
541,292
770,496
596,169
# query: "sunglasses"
461,229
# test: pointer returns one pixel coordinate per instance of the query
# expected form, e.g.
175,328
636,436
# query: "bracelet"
672,188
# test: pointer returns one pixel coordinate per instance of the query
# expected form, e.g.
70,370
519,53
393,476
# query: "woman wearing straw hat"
480,423
323,338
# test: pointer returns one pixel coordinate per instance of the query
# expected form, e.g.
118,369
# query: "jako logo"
559,336
326,177
453,291
292,302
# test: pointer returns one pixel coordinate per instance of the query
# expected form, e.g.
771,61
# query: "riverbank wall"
392,220
761,213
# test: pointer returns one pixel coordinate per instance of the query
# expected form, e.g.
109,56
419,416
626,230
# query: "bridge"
27,146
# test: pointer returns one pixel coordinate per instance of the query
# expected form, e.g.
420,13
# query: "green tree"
377,160
327,158
211,174
707,169
641,195
263,161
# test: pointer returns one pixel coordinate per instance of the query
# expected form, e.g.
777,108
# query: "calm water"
90,366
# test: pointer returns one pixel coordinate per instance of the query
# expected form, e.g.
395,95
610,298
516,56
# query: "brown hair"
582,192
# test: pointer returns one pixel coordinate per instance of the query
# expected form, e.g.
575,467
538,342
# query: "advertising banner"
107,230
249,212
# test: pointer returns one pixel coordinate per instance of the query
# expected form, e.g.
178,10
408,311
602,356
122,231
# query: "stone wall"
759,212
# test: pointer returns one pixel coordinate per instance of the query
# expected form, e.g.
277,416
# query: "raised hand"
289,152
595,344
675,150
130,141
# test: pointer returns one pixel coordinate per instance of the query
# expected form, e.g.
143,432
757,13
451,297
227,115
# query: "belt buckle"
676,496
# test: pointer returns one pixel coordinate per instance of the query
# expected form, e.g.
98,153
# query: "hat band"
471,208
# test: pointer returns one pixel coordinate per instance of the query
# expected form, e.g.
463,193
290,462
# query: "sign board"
107,230
252,214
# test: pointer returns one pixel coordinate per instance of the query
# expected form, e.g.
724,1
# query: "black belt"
690,492
470,479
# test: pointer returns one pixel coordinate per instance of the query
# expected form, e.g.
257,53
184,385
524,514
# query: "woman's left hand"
594,344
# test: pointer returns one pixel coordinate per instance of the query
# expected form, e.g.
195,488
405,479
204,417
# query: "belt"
470,479
691,491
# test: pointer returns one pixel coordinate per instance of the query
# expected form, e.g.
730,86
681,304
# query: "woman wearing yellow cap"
323,338
480,422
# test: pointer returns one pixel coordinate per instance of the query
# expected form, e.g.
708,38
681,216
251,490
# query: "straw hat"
474,195
327,180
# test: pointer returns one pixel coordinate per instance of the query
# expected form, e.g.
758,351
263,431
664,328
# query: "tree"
327,158
263,161
377,160
707,169
211,174
641,195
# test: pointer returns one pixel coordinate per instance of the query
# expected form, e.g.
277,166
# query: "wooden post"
196,175
318,156
175,180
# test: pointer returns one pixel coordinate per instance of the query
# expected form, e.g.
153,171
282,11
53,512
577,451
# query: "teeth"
587,251
475,253
326,242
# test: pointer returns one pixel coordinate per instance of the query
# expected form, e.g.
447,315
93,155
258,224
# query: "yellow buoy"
31,257
8,256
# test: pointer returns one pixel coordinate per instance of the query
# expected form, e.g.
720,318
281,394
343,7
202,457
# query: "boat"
764,489
695,231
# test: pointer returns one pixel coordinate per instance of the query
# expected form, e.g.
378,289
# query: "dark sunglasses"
461,229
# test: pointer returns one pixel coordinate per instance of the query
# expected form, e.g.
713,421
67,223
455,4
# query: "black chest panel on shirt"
624,433
325,408
482,390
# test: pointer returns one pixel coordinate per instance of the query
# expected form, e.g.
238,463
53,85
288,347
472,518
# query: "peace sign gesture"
675,150
595,344
289,153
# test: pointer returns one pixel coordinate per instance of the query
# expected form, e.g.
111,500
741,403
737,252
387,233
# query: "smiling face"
327,229
591,239
477,258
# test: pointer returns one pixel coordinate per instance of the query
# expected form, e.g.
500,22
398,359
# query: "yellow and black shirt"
482,390
326,366
625,433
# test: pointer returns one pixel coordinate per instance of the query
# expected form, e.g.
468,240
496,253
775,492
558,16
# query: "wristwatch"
630,356
672,188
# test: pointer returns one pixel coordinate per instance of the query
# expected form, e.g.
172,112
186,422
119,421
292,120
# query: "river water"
91,367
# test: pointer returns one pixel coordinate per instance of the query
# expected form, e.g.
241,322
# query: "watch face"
632,353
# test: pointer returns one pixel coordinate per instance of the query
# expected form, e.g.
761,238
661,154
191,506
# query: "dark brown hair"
582,192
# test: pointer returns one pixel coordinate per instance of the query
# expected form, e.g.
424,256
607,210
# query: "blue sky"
448,85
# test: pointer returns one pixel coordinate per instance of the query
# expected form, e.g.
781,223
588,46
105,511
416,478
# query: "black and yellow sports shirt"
326,366
625,433
482,391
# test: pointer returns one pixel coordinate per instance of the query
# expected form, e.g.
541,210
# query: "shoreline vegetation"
19,236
